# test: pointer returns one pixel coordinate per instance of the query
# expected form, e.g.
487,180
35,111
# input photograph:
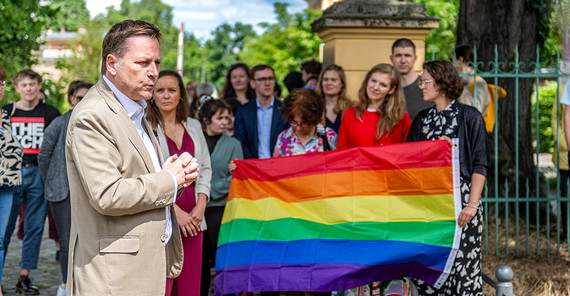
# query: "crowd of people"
109,168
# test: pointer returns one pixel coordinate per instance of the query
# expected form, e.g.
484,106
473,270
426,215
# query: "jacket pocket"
119,244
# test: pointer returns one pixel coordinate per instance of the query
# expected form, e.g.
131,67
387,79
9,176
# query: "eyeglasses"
265,79
424,82
295,124
2,83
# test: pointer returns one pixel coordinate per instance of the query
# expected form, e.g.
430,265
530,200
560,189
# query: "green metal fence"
515,203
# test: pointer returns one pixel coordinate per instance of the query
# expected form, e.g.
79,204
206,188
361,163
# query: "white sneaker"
61,290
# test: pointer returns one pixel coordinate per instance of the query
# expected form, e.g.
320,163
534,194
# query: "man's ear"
111,63
252,83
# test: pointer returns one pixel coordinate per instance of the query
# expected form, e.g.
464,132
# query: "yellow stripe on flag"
346,209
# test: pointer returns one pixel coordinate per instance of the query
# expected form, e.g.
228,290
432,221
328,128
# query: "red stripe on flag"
405,155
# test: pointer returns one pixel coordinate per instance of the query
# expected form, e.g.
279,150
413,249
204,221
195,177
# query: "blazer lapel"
129,128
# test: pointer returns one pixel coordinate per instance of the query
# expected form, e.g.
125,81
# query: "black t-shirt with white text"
29,126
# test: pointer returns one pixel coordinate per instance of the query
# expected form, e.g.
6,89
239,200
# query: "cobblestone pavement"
47,277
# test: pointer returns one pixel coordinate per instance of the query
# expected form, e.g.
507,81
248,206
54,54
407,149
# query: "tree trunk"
508,24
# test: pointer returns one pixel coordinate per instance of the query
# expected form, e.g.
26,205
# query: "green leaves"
286,44
70,15
22,25
441,41
283,44
546,98
224,49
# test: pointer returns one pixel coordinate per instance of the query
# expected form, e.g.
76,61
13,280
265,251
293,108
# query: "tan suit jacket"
118,219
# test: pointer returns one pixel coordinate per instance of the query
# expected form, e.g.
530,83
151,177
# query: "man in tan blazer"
123,241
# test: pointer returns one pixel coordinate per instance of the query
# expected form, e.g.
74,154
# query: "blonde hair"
393,106
343,101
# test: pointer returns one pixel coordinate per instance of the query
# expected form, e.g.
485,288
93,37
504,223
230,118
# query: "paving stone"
48,275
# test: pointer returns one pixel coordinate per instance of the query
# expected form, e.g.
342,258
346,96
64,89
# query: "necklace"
305,136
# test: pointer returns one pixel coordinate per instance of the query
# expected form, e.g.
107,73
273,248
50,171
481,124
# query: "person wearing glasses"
448,119
259,122
303,109
380,116
53,171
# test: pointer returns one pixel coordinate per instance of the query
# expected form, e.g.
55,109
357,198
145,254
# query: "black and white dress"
465,276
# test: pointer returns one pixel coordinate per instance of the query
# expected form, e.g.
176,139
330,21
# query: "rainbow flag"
340,219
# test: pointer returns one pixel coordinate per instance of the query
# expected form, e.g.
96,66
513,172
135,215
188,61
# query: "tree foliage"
285,44
86,60
440,42
546,98
557,16
71,15
224,48
514,26
20,35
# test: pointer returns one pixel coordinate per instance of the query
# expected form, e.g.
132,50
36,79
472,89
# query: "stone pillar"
359,34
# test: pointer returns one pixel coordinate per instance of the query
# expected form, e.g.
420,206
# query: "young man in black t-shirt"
29,117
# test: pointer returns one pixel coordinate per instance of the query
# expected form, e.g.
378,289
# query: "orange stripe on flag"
422,181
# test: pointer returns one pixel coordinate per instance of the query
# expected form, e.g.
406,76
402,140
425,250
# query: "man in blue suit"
259,122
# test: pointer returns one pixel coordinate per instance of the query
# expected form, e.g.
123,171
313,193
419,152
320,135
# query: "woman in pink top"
380,115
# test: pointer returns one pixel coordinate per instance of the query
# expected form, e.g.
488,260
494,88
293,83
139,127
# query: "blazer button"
163,238
157,203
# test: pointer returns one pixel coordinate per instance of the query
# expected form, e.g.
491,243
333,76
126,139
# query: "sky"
203,16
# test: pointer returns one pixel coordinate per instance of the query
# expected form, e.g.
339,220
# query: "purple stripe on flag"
314,277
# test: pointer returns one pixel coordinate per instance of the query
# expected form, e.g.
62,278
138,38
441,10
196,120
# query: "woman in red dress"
379,118
168,114
380,115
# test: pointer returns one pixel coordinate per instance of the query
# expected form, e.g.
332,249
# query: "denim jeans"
62,215
32,192
5,208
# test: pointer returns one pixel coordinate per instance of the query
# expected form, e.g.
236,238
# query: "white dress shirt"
135,110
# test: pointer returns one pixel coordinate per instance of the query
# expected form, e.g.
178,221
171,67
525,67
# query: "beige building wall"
357,50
